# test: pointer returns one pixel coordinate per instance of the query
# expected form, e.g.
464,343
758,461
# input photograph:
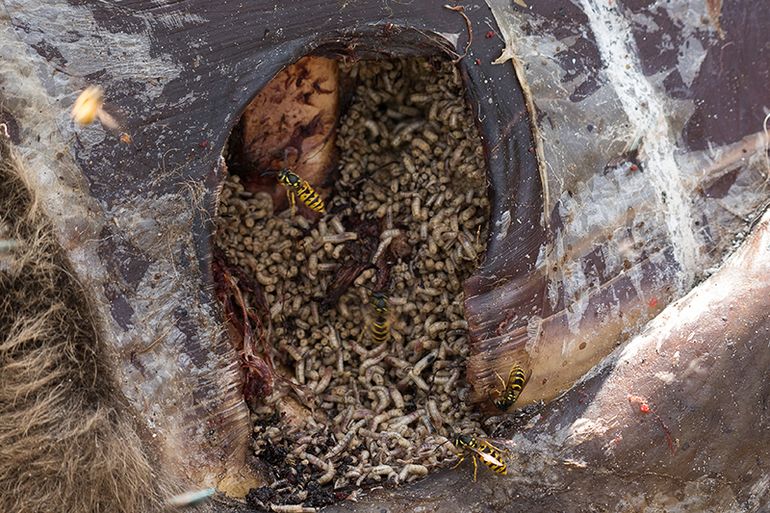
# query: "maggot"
406,420
385,240
328,468
324,381
423,363
383,417
381,470
434,413
337,449
363,370
383,399
398,399
410,470
292,508
339,238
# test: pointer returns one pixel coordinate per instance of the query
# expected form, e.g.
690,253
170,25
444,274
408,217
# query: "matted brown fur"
67,442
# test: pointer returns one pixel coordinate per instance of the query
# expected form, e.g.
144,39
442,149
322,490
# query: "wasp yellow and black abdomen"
380,331
517,379
303,189
310,197
380,326
495,460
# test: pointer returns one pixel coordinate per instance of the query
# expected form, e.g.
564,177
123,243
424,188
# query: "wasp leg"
292,202
502,381
475,468
462,458
498,392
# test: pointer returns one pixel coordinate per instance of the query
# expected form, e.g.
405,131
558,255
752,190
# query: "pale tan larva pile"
410,156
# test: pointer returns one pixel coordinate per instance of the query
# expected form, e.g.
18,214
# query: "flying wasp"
296,185
380,327
489,455
512,389
89,107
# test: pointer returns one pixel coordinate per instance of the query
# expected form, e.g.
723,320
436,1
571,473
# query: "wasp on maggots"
296,185
380,326
517,378
489,455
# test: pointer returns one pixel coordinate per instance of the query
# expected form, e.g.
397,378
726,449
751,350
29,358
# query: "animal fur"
67,441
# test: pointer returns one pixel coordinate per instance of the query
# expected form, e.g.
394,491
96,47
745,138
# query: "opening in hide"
347,308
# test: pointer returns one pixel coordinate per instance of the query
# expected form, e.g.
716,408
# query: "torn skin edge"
460,9
518,68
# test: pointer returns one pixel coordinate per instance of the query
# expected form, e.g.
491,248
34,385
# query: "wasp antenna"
440,445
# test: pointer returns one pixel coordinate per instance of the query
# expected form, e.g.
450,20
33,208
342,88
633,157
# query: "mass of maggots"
353,408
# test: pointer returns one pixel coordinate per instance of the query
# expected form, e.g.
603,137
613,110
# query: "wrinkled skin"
639,168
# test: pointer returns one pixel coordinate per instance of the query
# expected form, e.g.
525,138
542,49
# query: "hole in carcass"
348,308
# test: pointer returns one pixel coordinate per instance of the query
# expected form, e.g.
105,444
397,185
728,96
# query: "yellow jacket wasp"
489,455
517,378
296,185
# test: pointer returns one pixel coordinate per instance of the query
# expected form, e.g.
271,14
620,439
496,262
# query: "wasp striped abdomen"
512,389
380,327
303,189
